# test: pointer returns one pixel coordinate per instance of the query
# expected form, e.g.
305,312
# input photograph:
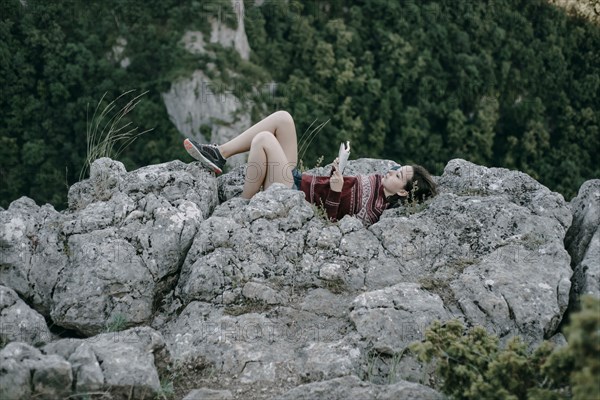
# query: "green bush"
471,365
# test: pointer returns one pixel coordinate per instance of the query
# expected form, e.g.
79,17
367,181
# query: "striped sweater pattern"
362,196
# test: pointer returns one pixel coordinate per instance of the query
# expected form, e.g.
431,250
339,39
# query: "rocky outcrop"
583,240
268,295
196,101
115,252
487,250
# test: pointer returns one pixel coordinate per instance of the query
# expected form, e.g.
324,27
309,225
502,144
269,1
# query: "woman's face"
394,182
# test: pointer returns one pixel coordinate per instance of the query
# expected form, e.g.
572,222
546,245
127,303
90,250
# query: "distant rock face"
583,240
269,293
220,32
197,101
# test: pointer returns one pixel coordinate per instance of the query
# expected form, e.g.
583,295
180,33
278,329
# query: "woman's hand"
336,181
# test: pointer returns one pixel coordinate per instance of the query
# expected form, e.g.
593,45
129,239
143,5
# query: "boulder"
583,240
122,363
393,317
115,252
28,373
32,251
255,343
491,246
18,322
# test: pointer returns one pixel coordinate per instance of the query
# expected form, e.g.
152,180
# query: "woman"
273,157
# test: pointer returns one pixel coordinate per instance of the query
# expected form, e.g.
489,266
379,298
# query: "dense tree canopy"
512,83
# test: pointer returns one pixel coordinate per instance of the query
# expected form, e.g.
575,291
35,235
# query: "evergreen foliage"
512,83
471,365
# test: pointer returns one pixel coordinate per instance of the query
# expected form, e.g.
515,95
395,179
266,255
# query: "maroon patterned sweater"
362,196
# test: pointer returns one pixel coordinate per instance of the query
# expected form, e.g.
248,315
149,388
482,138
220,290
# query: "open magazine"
343,156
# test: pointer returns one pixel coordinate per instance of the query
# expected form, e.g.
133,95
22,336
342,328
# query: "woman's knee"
284,117
262,139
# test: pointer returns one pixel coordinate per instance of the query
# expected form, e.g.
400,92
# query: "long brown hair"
420,188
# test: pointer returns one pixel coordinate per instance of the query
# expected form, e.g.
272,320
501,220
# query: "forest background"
508,83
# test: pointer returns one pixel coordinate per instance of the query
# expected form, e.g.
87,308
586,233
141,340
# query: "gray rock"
86,369
134,228
18,322
325,360
492,257
583,240
15,379
208,394
27,373
490,245
118,287
260,292
197,101
515,292
352,388
323,302
52,378
247,244
252,347
32,251
393,317
231,184
467,179
123,363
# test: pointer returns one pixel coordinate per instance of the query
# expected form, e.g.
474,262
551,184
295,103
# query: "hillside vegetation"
501,83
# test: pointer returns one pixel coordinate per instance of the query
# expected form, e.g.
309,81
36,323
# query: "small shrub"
321,213
381,368
472,366
117,323
166,391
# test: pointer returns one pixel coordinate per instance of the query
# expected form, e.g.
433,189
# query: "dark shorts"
297,178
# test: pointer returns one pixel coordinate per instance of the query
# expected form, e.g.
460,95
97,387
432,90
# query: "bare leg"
267,164
280,124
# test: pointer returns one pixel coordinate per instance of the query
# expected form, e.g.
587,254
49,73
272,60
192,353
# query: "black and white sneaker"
207,154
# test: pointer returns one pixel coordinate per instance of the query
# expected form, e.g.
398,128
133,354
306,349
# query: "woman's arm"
336,183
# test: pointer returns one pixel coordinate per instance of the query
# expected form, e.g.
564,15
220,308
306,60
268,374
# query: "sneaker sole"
194,152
